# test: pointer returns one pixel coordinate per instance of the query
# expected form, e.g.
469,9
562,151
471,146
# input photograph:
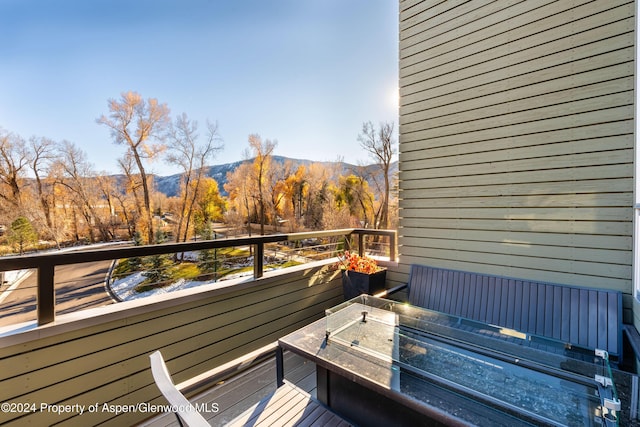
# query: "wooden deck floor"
239,393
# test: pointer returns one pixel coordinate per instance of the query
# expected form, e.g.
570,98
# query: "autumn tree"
316,195
210,206
139,125
379,143
263,153
276,187
354,193
193,157
294,190
239,188
335,215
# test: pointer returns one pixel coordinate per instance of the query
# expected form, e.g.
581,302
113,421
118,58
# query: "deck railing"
100,354
45,263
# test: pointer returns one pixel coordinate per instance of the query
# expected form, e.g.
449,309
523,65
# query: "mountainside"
170,185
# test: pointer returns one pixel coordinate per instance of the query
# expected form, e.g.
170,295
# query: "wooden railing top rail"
45,263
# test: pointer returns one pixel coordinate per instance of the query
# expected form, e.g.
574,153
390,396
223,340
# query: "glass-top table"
457,371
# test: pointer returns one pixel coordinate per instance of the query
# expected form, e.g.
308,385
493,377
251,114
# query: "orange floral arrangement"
361,264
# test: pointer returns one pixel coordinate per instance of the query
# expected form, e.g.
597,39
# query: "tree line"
50,191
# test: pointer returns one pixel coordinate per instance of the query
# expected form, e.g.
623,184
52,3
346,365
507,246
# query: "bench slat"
565,315
517,306
614,320
584,317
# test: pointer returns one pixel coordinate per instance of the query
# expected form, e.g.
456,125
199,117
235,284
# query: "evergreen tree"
156,266
207,259
22,234
135,263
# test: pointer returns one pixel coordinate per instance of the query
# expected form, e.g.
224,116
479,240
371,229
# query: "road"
78,287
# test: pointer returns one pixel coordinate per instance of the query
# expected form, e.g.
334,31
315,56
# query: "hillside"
169,185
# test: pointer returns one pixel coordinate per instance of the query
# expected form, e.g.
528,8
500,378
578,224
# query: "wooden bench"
288,405
583,317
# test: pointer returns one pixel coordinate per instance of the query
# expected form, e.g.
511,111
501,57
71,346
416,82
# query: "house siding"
516,139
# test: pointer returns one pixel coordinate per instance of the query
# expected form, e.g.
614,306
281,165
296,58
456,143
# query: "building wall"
516,139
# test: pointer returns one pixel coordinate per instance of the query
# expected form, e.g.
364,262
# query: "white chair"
185,412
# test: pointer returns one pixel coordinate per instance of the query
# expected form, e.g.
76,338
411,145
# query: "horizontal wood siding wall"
516,138
109,363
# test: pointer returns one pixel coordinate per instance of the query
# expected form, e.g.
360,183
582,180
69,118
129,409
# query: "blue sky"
306,73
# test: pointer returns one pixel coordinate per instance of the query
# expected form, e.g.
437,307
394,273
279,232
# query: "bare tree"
140,125
42,155
381,146
131,194
111,195
192,157
80,179
14,160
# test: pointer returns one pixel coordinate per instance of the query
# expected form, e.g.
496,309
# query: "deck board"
245,390
289,406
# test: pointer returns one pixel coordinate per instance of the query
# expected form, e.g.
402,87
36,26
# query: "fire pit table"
380,362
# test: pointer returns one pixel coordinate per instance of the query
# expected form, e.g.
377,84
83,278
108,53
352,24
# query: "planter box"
354,283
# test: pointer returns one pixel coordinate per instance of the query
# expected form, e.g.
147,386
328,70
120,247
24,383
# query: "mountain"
170,185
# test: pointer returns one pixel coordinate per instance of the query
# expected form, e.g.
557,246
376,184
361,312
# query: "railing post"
392,247
46,294
360,243
258,260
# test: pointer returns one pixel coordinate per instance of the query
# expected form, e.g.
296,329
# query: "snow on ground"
124,289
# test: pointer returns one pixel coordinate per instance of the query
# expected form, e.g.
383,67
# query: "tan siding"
418,169
508,236
563,142
516,139
540,128
517,46
412,180
514,43
528,213
499,117
529,100
108,362
590,255
488,21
